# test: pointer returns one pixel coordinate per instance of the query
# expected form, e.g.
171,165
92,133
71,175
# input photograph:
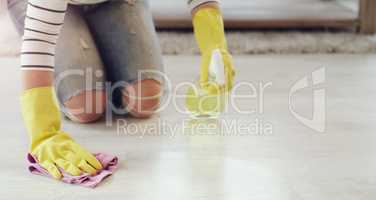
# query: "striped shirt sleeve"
192,4
44,20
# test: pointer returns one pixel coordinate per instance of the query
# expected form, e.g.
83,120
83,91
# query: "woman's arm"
43,22
210,36
52,147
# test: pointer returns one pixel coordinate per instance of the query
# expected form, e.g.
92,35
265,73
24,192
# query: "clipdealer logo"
318,120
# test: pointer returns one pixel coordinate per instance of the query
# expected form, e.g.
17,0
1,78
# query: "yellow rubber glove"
210,35
52,147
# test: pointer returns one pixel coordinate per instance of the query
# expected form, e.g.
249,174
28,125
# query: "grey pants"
108,42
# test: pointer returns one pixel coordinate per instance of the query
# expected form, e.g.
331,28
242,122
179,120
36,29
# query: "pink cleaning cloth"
109,164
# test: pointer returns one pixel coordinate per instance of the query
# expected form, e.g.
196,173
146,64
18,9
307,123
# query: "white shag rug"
239,42
277,43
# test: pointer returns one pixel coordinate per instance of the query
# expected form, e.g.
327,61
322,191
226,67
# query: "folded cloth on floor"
108,162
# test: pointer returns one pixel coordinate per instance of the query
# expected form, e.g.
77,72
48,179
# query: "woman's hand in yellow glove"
53,148
60,151
210,35
213,87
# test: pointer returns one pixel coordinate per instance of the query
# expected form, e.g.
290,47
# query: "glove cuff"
40,112
209,30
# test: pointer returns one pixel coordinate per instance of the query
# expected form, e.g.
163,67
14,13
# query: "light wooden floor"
264,13
292,163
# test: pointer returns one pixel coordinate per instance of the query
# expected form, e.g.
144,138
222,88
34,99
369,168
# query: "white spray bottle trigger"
217,67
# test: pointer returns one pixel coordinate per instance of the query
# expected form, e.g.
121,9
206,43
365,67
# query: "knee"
86,107
142,99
